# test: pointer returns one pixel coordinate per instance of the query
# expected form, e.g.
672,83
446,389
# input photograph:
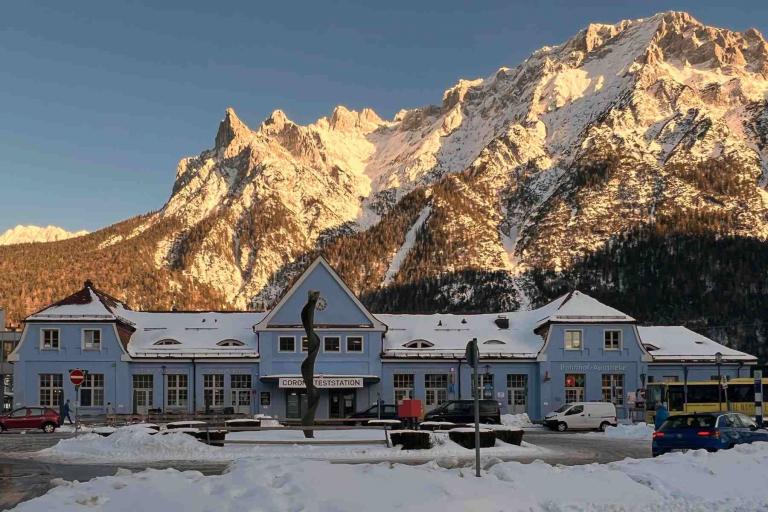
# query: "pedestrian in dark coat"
65,412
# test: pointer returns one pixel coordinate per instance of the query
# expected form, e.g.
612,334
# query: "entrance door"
142,401
341,403
295,403
241,401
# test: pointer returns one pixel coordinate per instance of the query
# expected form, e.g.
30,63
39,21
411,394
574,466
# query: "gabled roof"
677,343
578,307
87,303
290,291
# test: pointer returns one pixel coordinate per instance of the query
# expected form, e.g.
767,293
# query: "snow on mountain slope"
29,234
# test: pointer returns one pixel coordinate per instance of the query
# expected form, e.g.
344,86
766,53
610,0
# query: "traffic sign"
76,376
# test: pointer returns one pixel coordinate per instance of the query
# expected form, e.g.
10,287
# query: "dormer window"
167,342
230,343
419,344
494,342
650,347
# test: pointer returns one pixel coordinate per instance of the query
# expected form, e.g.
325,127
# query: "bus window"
703,394
653,395
677,398
741,393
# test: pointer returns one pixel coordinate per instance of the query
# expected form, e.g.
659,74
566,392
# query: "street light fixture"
718,362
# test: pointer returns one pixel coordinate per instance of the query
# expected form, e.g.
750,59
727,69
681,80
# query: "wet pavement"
24,478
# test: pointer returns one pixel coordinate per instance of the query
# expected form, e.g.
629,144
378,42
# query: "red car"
30,417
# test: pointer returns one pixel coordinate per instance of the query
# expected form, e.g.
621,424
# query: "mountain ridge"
24,234
623,136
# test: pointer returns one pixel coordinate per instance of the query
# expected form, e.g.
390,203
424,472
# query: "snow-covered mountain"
28,234
650,127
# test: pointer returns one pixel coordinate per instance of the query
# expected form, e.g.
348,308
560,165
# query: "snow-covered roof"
579,307
677,343
449,334
83,305
199,334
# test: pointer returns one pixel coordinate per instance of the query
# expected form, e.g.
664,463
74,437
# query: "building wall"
33,361
661,372
593,361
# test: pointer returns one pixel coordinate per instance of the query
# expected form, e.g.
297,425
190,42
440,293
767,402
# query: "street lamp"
718,362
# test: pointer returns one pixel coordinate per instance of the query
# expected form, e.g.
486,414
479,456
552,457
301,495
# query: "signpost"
759,398
473,355
76,377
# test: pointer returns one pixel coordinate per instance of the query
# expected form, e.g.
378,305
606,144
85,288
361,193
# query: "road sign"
76,376
472,354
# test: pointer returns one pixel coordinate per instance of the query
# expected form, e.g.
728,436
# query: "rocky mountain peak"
230,128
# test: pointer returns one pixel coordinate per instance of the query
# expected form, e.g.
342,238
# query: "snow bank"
516,420
642,431
131,443
636,431
732,480
139,444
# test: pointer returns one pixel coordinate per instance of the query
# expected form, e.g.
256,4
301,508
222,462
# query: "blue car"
708,431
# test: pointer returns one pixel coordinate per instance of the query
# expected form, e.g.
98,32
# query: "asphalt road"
25,478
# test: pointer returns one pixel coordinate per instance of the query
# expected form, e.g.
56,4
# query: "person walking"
110,414
661,415
65,412
61,412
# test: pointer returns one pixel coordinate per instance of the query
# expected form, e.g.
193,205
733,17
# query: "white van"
582,415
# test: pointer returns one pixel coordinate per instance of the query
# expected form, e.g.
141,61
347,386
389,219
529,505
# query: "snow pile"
131,443
635,431
516,420
725,481
139,444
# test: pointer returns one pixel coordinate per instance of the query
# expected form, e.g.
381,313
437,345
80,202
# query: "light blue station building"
572,349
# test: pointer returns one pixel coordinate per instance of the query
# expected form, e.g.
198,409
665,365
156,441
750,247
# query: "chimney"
502,322
88,284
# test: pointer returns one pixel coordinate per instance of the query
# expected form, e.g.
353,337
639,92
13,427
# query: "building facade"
572,349
9,338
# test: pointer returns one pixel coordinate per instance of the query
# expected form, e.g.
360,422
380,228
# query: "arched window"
494,342
167,341
230,343
418,344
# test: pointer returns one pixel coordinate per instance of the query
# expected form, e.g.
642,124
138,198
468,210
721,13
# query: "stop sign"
76,377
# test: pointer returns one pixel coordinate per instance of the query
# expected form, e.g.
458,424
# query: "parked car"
582,415
388,412
30,417
463,411
708,431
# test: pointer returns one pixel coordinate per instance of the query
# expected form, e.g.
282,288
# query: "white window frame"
362,345
51,387
332,351
615,391
177,388
407,391
43,330
304,339
621,340
581,339
279,350
88,384
216,388
82,339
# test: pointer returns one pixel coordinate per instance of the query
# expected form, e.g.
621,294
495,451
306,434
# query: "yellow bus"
737,395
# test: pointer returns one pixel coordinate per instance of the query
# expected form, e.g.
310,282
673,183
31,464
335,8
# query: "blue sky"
99,100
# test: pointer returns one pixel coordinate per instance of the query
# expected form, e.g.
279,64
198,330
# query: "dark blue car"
708,431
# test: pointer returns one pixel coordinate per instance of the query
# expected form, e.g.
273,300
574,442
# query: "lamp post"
718,362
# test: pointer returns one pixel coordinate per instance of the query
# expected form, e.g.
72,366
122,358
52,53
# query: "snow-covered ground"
731,480
139,444
516,420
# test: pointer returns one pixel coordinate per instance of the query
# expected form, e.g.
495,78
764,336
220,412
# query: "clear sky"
100,99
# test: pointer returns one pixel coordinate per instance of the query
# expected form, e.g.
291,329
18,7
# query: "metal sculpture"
308,365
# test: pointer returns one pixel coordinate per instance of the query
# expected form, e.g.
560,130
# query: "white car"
582,416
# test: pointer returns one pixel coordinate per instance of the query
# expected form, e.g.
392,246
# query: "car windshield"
692,422
563,408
